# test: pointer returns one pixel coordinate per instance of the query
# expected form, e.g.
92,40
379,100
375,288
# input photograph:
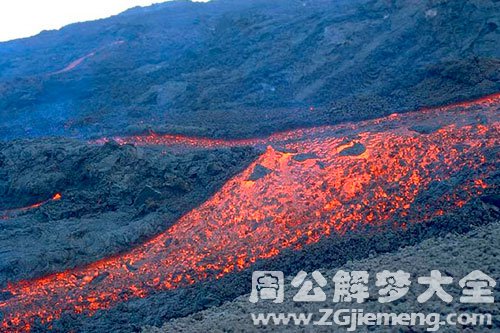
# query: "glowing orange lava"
182,141
13,212
318,182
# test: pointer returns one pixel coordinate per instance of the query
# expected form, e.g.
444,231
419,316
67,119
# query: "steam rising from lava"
316,183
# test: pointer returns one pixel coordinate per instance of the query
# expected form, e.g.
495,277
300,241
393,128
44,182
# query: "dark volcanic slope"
374,177
111,197
245,68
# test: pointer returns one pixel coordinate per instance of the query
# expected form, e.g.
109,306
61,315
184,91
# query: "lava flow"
311,184
13,212
182,141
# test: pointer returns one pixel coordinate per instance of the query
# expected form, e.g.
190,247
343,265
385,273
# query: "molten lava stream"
320,184
181,141
12,212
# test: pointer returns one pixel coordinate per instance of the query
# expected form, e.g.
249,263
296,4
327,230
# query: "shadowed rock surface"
259,172
356,150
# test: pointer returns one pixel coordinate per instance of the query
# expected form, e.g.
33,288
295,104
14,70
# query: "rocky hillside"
111,198
233,68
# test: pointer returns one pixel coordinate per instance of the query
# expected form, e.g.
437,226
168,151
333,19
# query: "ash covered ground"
148,161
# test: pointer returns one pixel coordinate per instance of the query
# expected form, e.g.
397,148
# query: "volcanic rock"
104,189
259,172
147,194
356,150
242,68
304,157
425,129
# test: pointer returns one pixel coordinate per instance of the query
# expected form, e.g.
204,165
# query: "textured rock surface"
247,68
112,197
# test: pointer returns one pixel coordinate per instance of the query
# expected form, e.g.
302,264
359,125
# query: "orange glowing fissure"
322,181
13,212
